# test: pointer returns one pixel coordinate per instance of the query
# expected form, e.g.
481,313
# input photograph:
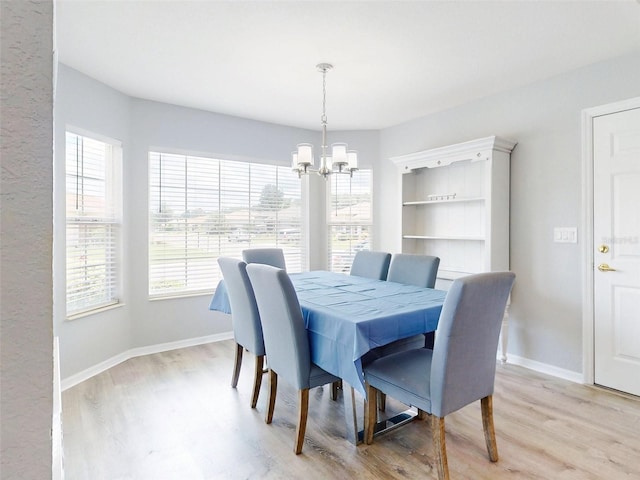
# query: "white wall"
93,107
26,331
142,125
544,118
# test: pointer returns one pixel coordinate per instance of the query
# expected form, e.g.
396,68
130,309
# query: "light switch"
565,235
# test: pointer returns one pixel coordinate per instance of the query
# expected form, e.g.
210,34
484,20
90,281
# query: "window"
93,213
203,208
349,218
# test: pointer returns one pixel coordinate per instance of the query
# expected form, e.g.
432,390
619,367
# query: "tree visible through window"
93,211
203,208
349,218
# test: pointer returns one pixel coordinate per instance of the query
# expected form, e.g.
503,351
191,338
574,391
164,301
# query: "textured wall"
26,127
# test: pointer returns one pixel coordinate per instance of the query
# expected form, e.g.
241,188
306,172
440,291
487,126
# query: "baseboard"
79,377
545,368
189,342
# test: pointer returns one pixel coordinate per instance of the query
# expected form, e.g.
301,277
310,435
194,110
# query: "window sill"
181,295
93,311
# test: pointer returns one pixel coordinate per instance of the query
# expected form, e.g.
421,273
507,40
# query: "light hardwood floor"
174,415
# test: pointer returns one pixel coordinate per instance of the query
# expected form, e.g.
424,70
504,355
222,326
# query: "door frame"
588,314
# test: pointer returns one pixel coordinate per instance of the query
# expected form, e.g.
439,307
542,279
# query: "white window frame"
184,247
102,277
353,224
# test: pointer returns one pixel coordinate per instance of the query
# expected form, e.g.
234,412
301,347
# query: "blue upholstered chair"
286,341
409,269
371,264
458,371
247,329
267,256
419,270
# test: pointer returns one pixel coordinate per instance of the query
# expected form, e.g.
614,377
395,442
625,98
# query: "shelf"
453,200
445,274
445,237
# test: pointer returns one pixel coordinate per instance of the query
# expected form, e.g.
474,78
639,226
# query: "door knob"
603,267
603,248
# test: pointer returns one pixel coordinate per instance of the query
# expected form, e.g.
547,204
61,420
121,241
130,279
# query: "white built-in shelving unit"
455,205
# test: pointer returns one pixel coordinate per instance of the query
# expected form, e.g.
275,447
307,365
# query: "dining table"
347,316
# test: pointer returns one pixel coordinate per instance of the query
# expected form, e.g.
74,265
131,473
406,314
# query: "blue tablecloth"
346,316
220,300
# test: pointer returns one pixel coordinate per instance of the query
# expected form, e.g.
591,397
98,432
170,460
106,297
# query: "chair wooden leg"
370,414
422,414
257,379
487,424
439,447
382,401
303,410
271,402
236,366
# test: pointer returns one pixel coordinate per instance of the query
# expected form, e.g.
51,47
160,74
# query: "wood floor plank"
174,415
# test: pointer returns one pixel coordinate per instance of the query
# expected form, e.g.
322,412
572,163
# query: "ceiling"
393,60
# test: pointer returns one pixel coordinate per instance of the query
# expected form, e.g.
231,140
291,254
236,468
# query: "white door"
616,222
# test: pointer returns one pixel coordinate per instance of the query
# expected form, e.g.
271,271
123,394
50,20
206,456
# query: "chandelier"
341,160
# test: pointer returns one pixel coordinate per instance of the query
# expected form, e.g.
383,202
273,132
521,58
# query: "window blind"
92,223
202,208
349,218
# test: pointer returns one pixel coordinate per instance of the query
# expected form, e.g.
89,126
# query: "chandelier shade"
339,155
341,160
304,154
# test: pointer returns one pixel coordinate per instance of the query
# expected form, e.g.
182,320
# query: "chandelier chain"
324,96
